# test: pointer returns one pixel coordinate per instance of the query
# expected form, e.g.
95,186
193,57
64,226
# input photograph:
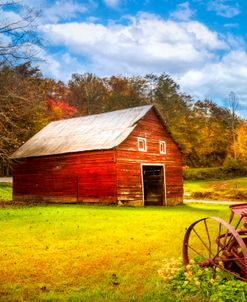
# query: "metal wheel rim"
232,232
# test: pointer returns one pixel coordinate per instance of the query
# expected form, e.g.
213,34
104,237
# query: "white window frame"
144,141
162,149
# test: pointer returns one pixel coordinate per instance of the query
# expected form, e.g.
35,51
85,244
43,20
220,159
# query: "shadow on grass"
205,208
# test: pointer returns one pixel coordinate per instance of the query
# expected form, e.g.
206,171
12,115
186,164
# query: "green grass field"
235,188
5,191
91,253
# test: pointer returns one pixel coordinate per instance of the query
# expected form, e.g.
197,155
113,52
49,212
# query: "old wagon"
213,242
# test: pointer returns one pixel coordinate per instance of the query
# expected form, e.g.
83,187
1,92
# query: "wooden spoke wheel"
212,242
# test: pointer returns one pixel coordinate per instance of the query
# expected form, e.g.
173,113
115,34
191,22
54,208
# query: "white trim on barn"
162,147
142,144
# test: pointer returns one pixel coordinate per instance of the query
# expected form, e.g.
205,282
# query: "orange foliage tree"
59,110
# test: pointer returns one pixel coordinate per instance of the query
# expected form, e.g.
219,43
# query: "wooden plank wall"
129,161
83,177
102,176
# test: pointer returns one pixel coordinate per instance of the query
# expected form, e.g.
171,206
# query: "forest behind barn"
208,135
29,101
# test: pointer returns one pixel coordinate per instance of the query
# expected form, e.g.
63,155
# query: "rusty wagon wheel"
215,243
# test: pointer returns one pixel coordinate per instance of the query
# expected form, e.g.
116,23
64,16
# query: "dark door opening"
153,185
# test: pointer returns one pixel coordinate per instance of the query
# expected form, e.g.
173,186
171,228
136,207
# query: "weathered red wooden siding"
102,176
129,160
83,177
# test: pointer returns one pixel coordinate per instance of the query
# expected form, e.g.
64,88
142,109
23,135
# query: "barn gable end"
111,173
130,162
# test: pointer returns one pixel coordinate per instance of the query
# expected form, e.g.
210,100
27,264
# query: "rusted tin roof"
93,132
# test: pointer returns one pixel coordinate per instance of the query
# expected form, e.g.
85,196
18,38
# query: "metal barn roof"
93,132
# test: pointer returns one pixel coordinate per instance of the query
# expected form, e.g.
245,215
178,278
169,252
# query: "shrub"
231,164
202,284
203,195
214,173
231,195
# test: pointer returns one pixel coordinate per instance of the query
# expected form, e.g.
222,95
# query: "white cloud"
4,40
223,9
59,66
9,17
231,25
63,10
55,11
183,12
216,79
205,63
112,3
146,44
14,18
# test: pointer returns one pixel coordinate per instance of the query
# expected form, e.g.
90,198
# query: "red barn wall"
102,176
80,177
129,160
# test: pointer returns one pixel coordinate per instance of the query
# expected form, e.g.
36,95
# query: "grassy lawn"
218,189
5,191
91,253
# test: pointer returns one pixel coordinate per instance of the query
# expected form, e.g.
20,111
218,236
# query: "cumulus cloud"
15,18
216,79
205,63
183,12
223,9
112,3
63,10
146,44
59,66
55,11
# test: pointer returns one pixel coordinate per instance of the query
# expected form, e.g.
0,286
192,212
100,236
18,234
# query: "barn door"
153,185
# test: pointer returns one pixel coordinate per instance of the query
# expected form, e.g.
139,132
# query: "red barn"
125,156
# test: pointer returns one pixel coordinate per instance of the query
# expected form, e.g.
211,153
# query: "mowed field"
91,253
218,185
228,189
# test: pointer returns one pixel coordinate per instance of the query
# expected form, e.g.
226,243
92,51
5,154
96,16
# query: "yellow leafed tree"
241,143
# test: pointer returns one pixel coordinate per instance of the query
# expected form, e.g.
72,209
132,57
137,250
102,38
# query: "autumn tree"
87,92
23,95
201,128
164,93
209,128
125,92
20,84
241,143
59,110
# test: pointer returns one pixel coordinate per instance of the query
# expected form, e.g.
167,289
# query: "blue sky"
200,44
